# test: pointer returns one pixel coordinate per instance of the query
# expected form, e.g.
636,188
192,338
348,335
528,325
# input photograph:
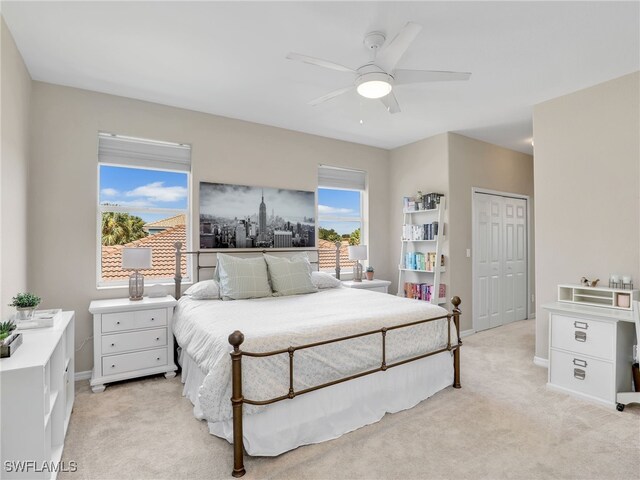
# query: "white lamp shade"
358,252
136,258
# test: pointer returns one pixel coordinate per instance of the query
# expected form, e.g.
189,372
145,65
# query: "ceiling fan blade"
390,102
390,55
418,76
330,95
319,62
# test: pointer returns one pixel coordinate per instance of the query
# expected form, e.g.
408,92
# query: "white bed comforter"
202,328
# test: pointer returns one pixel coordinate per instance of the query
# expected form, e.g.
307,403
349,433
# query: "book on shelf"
421,261
418,291
429,201
426,231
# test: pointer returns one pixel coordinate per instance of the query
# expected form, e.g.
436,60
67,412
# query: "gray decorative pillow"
290,276
242,277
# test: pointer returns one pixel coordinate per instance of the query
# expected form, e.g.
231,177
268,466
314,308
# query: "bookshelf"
421,249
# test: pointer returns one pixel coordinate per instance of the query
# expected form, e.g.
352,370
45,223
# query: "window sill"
125,286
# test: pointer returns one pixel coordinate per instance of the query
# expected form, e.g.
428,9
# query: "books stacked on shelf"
422,261
429,201
423,291
427,231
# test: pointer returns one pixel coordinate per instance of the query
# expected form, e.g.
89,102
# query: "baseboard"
532,316
466,333
82,375
541,362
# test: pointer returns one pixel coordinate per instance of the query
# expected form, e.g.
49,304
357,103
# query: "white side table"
131,339
374,285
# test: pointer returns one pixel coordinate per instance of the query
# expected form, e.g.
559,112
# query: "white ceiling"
229,59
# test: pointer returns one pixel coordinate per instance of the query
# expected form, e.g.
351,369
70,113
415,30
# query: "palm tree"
120,228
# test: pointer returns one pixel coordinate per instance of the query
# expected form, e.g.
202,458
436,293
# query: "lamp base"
357,272
136,286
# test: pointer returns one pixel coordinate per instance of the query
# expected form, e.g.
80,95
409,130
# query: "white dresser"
131,339
36,399
590,351
374,285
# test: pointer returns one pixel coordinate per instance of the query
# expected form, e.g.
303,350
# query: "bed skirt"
330,412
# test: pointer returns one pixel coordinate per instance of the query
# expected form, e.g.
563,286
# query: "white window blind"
137,152
335,177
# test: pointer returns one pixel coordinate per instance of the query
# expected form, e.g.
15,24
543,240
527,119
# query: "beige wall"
473,163
418,166
63,188
587,177
15,96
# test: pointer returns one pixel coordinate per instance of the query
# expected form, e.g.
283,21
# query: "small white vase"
24,314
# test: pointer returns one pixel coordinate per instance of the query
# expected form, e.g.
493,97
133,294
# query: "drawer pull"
579,363
113,344
581,336
579,373
158,358
157,339
582,325
113,366
152,319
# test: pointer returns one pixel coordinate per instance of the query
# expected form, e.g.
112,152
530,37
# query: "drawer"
115,322
587,337
128,362
378,289
124,342
582,375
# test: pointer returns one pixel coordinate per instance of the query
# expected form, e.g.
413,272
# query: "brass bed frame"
236,339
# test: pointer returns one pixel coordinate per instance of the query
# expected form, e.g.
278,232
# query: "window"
340,215
143,201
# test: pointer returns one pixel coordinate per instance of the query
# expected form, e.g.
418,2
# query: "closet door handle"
579,373
580,336
579,363
582,325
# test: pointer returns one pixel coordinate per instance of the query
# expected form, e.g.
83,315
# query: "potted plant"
26,304
5,329
369,273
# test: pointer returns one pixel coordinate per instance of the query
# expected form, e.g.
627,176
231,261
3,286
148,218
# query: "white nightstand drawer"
124,342
115,322
584,375
127,362
588,337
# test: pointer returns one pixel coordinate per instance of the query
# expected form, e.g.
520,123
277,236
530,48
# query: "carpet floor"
503,423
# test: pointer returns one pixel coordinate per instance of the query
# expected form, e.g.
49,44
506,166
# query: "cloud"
157,192
109,192
327,210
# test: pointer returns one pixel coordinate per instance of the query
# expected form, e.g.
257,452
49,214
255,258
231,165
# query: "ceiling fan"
378,77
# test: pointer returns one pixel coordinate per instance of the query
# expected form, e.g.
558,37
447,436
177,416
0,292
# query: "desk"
590,351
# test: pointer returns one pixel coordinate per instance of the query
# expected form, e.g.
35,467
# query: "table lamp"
136,259
357,252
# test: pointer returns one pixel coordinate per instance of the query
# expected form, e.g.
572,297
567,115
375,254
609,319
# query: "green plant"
6,328
25,300
369,269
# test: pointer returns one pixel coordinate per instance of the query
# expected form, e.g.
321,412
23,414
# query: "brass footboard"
237,400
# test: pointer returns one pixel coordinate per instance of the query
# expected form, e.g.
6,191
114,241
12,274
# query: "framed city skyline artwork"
242,216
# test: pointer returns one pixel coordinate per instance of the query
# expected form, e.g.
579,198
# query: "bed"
271,374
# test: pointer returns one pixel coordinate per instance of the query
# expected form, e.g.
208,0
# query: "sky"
153,188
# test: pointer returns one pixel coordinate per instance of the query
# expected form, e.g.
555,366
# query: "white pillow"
243,277
205,290
325,280
290,276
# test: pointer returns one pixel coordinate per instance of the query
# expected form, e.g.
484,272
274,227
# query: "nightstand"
131,339
374,285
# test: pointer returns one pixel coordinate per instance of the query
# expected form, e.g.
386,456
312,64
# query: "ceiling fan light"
374,88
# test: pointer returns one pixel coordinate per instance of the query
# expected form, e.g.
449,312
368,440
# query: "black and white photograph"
242,216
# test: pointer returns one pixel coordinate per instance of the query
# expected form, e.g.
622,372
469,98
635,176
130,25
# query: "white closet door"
496,255
514,259
500,260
